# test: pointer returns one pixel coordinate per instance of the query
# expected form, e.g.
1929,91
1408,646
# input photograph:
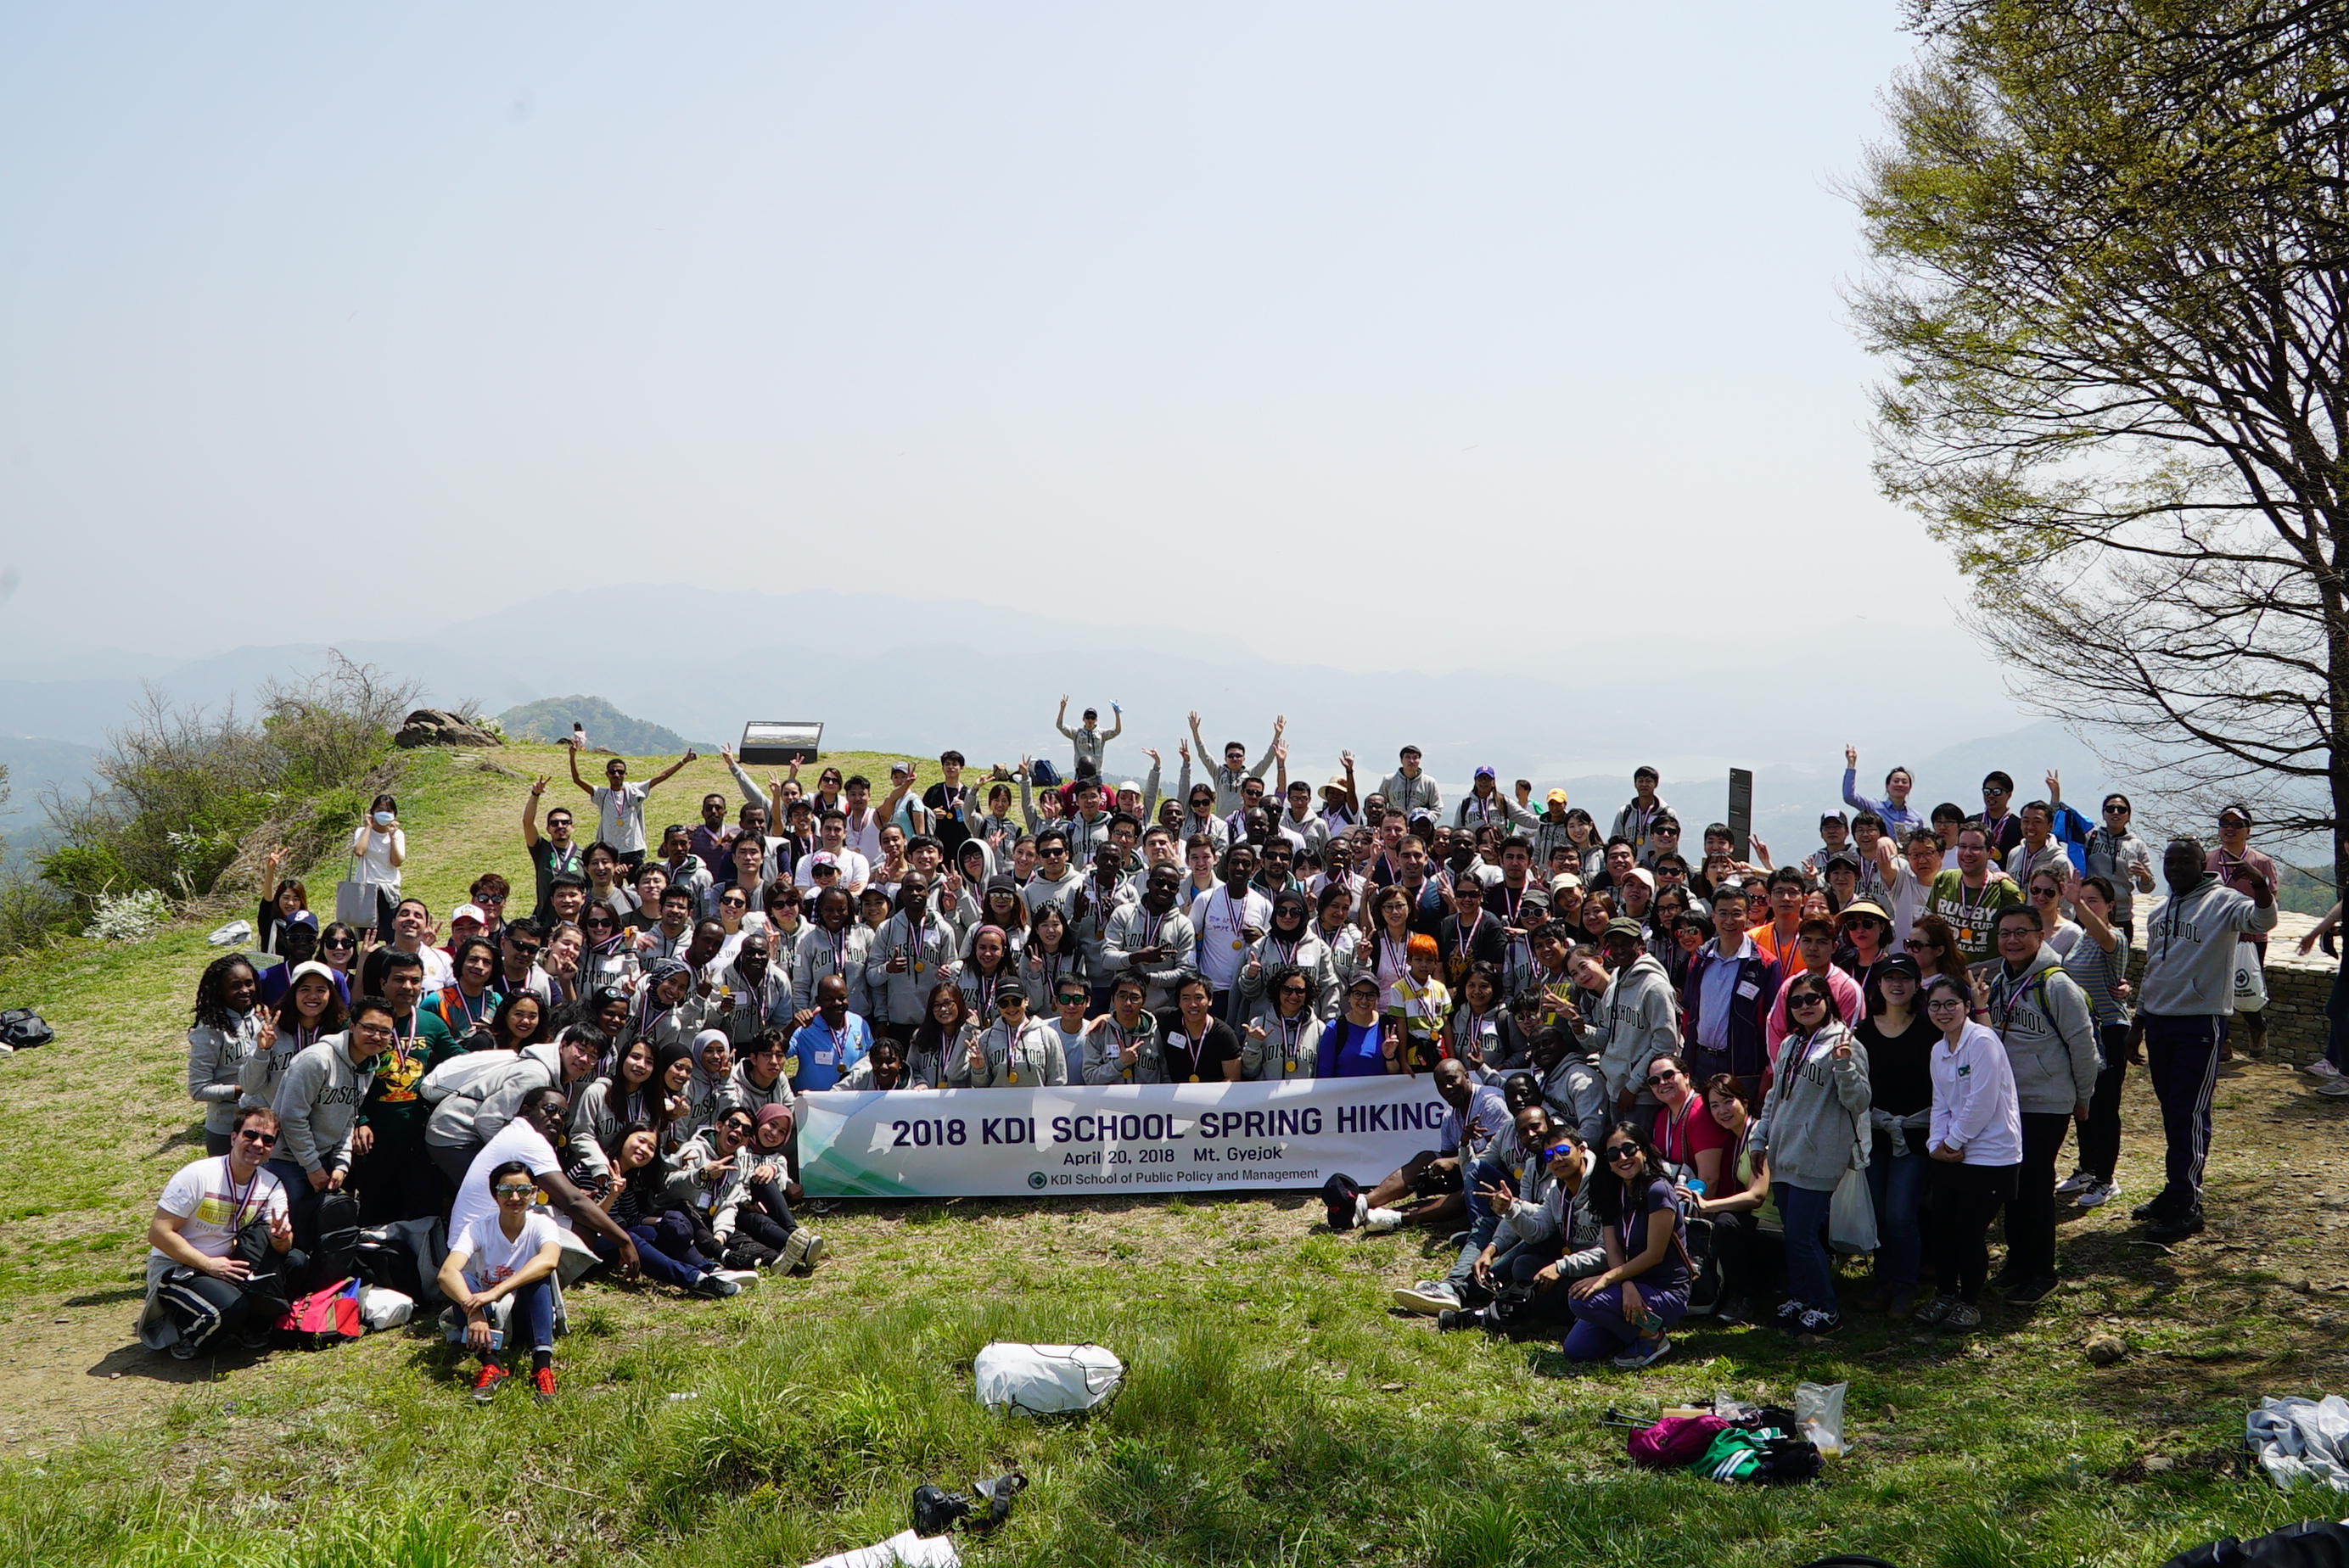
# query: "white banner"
1112,1138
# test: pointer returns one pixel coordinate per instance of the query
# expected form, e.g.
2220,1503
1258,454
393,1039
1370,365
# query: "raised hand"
1851,757
1152,756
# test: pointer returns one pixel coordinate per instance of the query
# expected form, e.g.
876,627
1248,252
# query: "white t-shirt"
855,870
518,1140
620,815
490,1258
374,851
1909,900
1222,922
440,971
216,1206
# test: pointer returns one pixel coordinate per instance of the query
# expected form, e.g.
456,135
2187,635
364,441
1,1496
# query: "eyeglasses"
1938,1003
1622,1151
514,1190
339,943
265,1140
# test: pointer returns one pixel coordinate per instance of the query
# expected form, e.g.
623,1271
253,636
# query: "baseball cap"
1623,925
900,767
1558,797
303,917
1899,963
1563,881
1484,771
1009,989
1129,788
472,912
823,858
1360,981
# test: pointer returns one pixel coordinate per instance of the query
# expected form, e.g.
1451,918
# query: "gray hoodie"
470,1116
2042,1016
317,1101
1638,1020
899,998
1814,1123
1104,1052
716,1201
2190,951
214,1059
1035,1057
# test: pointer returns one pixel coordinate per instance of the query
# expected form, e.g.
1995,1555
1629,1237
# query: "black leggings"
1964,1199
2100,1135
2030,1210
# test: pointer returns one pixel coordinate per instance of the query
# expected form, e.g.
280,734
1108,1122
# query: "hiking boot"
541,1381
486,1385
2176,1228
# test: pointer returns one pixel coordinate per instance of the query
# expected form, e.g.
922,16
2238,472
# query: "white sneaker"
1362,1211
2337,1086
2099,1196
2321,1069
741,1279
1379,1221
2077,1182
1428,1298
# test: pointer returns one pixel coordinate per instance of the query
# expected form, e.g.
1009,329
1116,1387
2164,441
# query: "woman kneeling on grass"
1623,1312
499,1278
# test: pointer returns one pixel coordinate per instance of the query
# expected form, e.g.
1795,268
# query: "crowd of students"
1644,1048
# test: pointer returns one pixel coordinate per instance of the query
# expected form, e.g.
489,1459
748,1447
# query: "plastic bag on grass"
381,1308
1046,1380
902,1548
1818,1407
235,933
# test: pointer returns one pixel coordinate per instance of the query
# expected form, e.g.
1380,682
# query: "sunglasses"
1622,1151
339,943
2043,892
1292,990
265,1140
1555,1150
509,1190
1808,1001
1664,1076
1914,946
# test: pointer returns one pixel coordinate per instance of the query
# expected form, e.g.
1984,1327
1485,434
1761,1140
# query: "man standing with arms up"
1087,737
1228,778
1898,814
2185,997
620,805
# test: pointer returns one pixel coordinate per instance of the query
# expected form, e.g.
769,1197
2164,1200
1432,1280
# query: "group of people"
1643,1047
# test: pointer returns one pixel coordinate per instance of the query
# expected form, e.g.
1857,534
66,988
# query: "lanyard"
472,1016
237,1205
1291,1030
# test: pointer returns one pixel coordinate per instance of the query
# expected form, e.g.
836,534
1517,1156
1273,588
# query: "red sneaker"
486,1387
543,1379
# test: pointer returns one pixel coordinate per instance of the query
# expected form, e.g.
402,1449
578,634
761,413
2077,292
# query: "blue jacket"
1749,1052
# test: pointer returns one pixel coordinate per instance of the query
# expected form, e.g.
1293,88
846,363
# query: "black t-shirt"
1900,1066
944,825
1176,1049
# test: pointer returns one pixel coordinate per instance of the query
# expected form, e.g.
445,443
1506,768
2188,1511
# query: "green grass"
1276,1412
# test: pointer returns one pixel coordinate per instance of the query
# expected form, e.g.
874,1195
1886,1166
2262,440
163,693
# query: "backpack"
388,1266
326,1317
21,1030
334,1258
1044,775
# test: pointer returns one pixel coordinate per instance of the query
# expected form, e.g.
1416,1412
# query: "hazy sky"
1525,310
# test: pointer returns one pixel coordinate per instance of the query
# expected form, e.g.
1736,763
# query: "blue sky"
321,322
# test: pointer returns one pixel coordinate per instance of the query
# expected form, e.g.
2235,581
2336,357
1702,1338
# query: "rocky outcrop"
436,727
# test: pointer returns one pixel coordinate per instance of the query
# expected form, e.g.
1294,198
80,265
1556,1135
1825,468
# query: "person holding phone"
380,848
500,1272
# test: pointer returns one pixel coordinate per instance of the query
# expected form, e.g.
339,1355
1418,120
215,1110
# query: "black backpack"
334,1258
21,1030
388,1266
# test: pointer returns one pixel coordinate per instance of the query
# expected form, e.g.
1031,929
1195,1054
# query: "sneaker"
1815,1321
2176,1228
2157,1208
1452,1318
486,1385
741,1279
1427,1297
2077,1182
795,1250
1789,1310
2335,1087
2031,1291
541,1379
1902,1304
1642,1353
1733,1310
186,1349
1379,1221
1933,1311
714,1286
2321,1069
814,1254
2005,1280
1962,1316
2097,1196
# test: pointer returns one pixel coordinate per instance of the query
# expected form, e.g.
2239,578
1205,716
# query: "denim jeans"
1897,1183
1809,1277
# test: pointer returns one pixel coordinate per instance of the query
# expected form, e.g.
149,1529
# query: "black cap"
1009,989
1899,963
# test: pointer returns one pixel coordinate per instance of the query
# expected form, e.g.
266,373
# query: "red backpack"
325,1318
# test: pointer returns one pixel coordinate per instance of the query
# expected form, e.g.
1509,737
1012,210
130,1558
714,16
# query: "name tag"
823,1058
1748,989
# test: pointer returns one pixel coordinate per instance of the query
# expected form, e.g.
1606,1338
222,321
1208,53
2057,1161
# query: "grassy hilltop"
1277,1411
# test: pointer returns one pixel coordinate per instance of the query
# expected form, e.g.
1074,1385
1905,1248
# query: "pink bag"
1675,1441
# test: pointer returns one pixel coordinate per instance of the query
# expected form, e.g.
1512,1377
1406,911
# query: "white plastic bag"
904,1548
235,933
1818,1411
1046,1380
1851,1215
381,1308
2251,980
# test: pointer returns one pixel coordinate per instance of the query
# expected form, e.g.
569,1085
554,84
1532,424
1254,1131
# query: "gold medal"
1194,1078
1238,944
1011,1077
